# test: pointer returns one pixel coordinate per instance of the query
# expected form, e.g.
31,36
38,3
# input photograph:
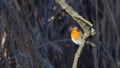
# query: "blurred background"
36,34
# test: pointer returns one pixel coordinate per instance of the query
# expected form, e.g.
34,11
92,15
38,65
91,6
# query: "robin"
76,35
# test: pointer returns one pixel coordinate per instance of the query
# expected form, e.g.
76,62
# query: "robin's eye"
77,30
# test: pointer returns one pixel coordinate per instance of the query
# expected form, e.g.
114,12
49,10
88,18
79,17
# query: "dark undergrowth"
36,34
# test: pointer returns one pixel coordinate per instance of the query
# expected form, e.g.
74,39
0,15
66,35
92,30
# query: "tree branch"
85,24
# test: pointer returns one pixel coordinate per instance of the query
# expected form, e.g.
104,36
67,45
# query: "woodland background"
35,34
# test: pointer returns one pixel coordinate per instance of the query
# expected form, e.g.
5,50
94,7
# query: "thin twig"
92,44
77,55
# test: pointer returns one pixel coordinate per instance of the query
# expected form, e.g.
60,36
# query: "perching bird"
76,35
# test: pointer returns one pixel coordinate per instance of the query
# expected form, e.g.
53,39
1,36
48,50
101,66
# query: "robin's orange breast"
75,33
